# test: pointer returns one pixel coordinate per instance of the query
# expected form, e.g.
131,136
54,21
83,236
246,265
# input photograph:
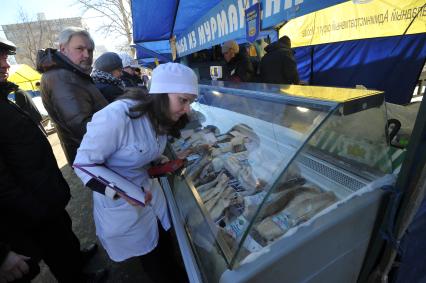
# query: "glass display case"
270,166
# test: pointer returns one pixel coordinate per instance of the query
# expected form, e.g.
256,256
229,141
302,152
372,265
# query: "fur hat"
108,62
173,78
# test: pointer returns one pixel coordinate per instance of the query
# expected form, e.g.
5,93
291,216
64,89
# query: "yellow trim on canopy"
328,93
349,21
24,76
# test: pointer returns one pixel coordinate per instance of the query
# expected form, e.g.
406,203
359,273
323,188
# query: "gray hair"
65,35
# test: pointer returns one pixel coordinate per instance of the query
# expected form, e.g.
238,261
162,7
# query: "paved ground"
80,209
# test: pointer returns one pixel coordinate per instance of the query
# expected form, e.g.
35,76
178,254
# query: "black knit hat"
108,62
7,46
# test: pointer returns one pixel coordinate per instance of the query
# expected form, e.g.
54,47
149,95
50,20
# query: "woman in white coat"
125,136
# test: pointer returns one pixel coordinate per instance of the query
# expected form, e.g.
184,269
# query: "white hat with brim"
174,78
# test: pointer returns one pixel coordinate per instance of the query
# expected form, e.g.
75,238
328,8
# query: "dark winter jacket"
131,80
69,96
108,85
4,250
25,101
239,69
32,188
278,66
110,92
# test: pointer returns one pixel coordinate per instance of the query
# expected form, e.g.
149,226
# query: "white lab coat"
125,145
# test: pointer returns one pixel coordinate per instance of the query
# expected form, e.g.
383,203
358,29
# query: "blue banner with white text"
226,21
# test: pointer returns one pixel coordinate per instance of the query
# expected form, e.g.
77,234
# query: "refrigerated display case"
277,187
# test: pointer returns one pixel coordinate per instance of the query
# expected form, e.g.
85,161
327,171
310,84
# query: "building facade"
30,37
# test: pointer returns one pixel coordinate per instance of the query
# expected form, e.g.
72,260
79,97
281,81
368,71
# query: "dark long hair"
156,106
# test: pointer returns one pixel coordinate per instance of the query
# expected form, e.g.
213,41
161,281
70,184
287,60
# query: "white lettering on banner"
213,27
268,9
233,18
222,23
182,46
185,45
208,31
189,40
192,40
241,8
287,4
201,34
230,18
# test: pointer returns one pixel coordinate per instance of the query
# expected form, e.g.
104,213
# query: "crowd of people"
104,114
277,66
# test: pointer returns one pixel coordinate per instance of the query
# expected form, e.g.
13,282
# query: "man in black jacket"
33,192
24,100
278,66
238,65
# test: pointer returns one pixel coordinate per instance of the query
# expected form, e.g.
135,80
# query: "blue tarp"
162,50
155,20
413,251
391,64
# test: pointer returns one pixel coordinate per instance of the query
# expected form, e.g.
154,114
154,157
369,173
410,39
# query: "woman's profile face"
179,104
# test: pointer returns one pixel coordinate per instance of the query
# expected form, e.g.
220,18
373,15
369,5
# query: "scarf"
106,78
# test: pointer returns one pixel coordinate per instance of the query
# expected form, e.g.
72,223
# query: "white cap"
174,78
127,60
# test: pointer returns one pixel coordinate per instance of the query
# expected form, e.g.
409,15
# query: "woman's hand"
129,200
162,159
196,149
148,198
184,153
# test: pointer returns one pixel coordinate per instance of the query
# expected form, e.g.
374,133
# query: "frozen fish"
217,205
280,201
211,184
217,164
276,225
196,170
221,185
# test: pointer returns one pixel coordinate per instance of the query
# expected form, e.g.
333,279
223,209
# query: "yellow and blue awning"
380,44
349,21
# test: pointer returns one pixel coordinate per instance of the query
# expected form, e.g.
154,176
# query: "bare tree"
117,16
34,35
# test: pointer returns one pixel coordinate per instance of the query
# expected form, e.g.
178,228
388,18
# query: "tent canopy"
24,76
380,45
152,31
159,20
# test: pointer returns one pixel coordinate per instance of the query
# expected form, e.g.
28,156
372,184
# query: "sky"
53,9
